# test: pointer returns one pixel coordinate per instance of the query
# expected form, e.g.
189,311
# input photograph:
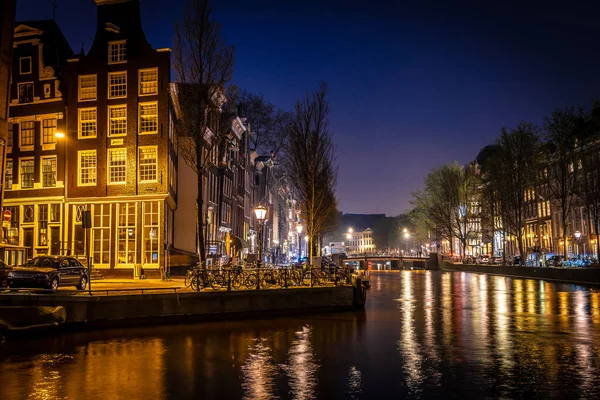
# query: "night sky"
413,84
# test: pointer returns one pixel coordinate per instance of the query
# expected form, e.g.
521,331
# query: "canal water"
423,334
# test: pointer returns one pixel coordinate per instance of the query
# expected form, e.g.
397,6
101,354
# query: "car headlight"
10,275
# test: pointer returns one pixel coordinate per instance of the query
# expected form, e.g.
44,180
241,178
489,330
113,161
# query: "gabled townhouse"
120,146
34,177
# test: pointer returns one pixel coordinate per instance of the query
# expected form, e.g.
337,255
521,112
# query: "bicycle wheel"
237,280
217,281
251,280
306,278
195,282
268,279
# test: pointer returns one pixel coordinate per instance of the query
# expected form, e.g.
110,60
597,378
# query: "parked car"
555,261
4,270
483,260
49,272
497,260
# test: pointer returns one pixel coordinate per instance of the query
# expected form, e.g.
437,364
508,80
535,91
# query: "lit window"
127,233
117,165
8,175
25,92
148,164
101,234
49,171
26,174
87,122
117,84
48,131
117,125
148,81
116,52
43,225
27,134
151,232
25,65
87,87
87,168
148,118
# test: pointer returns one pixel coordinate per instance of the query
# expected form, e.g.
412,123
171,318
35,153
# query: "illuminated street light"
299,228
261,212
59,135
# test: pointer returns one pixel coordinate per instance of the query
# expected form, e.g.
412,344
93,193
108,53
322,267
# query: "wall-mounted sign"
116,142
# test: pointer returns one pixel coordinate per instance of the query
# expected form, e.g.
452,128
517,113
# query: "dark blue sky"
413,84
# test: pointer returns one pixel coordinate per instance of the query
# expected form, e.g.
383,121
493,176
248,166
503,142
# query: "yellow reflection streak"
408,345
302,367
258,372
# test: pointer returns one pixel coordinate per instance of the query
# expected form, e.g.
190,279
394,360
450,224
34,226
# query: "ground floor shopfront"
125,231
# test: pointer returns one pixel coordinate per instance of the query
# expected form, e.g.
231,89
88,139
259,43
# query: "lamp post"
299,230
260,212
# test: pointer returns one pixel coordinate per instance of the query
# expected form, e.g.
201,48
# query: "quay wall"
118,310
572,275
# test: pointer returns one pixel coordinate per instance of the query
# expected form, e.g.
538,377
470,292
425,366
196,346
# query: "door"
28,242
54,240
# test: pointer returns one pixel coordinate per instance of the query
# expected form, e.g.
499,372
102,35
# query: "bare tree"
270,126
311,164
564,131
203,64
515,173
448,205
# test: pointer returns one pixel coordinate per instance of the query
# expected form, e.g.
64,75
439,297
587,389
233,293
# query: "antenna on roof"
54,6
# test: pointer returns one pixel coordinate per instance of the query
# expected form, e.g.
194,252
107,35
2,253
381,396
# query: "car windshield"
42,262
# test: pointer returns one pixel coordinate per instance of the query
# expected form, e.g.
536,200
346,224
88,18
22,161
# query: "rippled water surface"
422,335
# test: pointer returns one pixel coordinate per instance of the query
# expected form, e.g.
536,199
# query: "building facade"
34,180
121,155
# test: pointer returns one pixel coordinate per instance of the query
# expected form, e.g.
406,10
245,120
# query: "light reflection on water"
424,334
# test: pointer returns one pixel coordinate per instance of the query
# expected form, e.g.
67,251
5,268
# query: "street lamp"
577,237
261,212
299,230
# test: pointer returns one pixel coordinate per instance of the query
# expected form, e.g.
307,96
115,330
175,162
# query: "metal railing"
265,278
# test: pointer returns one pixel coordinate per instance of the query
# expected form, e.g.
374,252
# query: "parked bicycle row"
238,278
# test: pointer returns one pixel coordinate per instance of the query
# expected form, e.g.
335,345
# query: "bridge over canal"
396,262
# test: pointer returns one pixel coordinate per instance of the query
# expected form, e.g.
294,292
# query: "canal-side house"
34,180
120,149
7,21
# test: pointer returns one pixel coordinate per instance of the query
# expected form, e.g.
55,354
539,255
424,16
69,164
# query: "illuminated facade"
361,242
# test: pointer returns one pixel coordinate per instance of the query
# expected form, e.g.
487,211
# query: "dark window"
25,92
10,135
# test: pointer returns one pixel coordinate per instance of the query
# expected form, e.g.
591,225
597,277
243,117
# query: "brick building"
34,181
121,158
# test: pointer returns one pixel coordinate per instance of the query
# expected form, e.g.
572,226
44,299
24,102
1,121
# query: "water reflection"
424,334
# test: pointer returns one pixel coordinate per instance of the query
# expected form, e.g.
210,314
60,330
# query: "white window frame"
21,66
12,173
140,82
110,84
21,160
26,147
42,170
80,88
109,166
140,151
53,135
127,226
110,47
104,233
110,119
80,125
141,105
79,168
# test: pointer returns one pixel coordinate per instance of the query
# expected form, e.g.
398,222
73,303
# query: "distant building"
360,241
